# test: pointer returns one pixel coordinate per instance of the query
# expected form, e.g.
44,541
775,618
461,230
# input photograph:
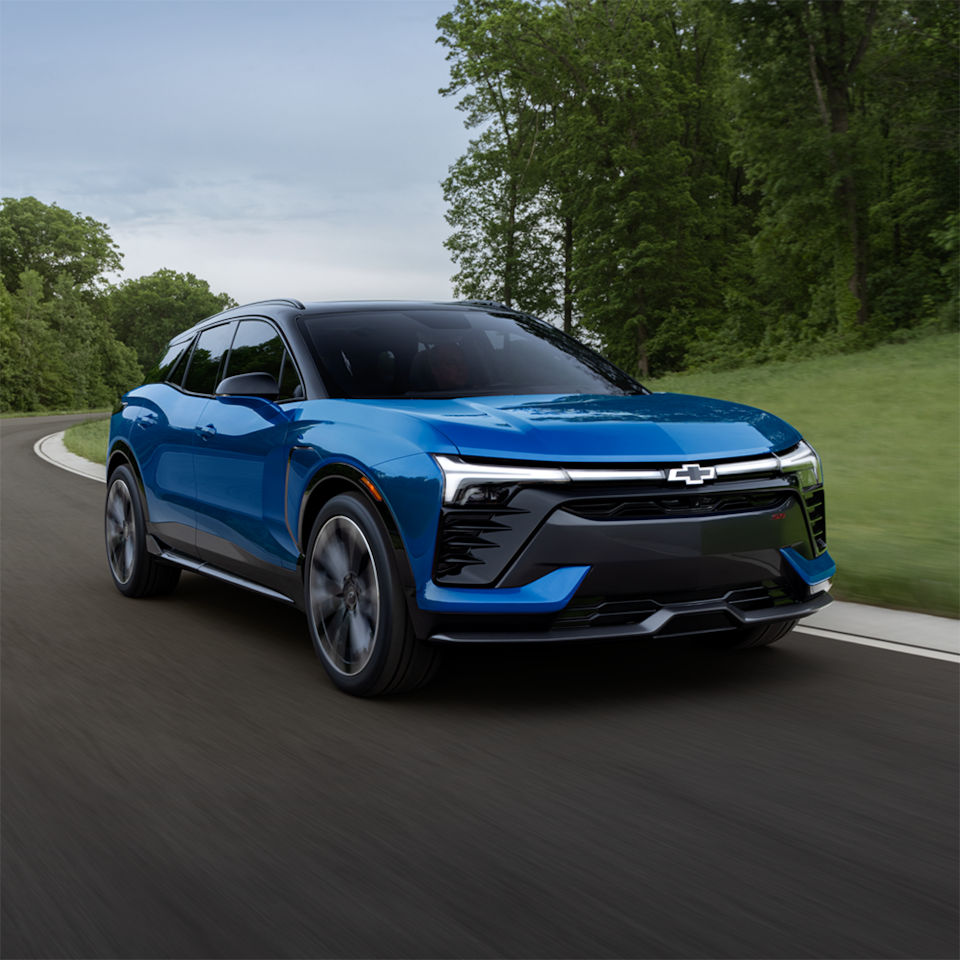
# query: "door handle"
208,431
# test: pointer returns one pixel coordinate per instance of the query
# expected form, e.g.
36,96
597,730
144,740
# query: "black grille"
817,511
682,505
461,535
615,611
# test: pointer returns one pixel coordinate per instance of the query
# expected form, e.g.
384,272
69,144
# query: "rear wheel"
356,610
135,572
759,636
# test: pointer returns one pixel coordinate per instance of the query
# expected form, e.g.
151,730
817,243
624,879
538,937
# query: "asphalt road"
181,780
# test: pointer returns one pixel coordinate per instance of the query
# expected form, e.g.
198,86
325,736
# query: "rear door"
163,435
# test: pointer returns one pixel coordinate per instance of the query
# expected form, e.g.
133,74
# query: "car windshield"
454,352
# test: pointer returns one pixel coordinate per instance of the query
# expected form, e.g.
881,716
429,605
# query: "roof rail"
287,300
487,303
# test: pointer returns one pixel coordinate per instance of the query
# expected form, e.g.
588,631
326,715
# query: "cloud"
255,145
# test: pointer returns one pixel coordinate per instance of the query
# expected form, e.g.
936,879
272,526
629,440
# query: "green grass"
89,439
49,413
886,425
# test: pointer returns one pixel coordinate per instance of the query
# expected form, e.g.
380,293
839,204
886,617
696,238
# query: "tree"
506,229
52,241
9,344
806,147
633,160
56,352
146,312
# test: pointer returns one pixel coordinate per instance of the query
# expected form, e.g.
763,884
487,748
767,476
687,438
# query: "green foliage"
52,242
505,229
67,338
716,184
56,352
604,164
145,313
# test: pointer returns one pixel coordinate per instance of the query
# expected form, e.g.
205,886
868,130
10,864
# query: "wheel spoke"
121,531
115,512
344,595
360,634
335,560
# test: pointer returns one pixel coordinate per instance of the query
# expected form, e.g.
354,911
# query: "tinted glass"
175,376
203,374
257,348
290,387
165,365
446,352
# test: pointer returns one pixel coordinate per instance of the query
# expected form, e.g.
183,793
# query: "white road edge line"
882,644
58,436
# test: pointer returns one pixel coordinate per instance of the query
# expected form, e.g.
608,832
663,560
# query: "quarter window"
165,366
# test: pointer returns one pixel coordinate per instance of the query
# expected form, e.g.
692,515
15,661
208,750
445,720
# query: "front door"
240,456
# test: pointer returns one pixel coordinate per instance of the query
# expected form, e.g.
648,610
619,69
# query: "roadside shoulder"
51,448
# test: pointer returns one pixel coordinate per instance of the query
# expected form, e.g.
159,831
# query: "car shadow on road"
600,672
527,675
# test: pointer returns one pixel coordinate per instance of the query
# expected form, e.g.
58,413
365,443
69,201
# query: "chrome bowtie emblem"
692,473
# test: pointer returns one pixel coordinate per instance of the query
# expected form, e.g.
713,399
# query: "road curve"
180,779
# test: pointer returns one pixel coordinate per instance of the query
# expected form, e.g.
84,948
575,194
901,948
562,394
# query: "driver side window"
258,348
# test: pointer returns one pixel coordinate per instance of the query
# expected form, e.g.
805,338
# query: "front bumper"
676,619
611,564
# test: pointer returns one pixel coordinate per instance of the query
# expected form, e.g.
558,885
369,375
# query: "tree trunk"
567,267
509,264
643,362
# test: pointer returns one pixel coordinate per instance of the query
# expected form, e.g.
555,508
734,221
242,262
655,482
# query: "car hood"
578,429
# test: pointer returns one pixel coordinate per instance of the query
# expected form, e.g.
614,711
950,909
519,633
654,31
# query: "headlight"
465,483
803,460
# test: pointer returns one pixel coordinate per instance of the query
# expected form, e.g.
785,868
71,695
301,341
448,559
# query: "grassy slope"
886,425
89,439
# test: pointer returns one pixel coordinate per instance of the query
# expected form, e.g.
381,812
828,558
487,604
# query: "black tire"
135,572
356,610
745,637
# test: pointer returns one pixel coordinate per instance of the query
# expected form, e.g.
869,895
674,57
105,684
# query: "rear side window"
203,374
166,365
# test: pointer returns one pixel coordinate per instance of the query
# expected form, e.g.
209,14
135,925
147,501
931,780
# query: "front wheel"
356,610
135,572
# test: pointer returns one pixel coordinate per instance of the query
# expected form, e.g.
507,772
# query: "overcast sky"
272,149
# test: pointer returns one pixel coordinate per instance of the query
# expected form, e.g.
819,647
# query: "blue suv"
413,475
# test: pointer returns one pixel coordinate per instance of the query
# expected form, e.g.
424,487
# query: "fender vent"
461,536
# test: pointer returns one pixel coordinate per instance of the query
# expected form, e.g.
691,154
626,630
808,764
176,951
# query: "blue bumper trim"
546,595
811,571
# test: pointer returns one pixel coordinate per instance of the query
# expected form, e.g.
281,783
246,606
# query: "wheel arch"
333,479
121,454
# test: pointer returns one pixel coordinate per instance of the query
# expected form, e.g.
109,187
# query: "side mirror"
250,385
